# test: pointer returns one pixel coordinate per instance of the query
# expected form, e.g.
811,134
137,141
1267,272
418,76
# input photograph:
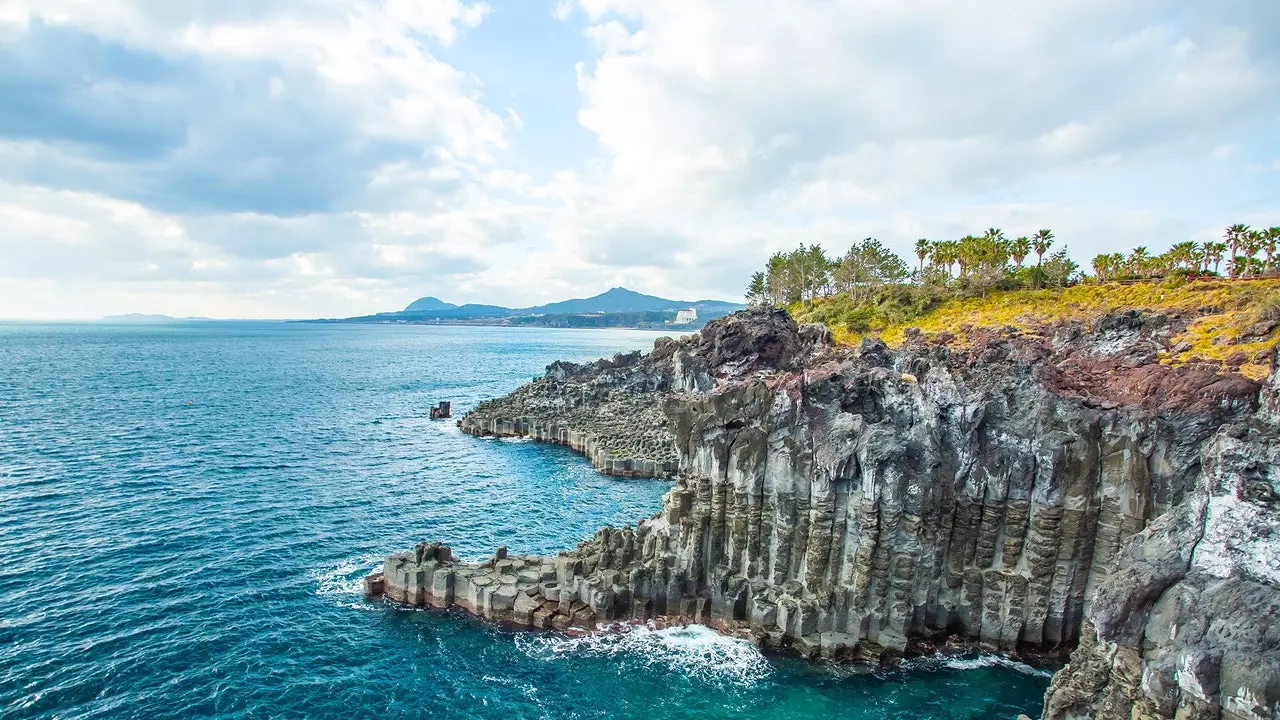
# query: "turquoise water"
186,512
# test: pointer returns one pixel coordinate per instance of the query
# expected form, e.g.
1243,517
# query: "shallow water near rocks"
186,511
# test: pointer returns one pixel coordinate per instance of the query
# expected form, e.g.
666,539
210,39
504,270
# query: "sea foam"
694,651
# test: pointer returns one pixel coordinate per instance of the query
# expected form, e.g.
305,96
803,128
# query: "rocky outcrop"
854,502
604,410
1188,624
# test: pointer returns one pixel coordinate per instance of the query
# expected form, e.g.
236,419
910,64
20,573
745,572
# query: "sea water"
187,510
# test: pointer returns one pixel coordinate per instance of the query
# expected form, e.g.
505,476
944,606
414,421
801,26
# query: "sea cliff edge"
1030,492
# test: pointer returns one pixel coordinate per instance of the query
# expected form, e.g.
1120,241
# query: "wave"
344,581
694,651
969,662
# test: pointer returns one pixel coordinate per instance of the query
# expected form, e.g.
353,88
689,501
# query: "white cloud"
306,157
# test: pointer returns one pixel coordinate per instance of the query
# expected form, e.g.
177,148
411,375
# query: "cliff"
852,502
1188,624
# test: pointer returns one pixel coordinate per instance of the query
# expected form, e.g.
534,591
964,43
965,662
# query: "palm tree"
1184,253
1270,238
1234,237
1041,242
965,253
1251,243
1138,259
1239,265
1020,249
1102,266
939,255
1197,257
922,251
1213,252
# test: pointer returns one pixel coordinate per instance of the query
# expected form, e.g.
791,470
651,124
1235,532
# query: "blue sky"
298,158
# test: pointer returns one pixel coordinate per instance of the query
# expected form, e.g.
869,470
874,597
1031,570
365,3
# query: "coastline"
1029,493
522,593
585,445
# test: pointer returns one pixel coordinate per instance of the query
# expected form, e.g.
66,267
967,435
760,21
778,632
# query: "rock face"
604,410
1188,625
852,502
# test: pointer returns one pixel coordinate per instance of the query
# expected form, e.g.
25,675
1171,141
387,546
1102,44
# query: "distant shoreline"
505,323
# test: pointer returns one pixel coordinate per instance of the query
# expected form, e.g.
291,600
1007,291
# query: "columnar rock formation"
604,410
1188,625
850,502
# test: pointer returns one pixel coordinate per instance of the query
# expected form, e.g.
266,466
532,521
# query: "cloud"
300,157
239,107
727,101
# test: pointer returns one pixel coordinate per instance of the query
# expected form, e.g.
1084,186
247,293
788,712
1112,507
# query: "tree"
922,252
966,253
1238,266
1183,255
813,270
1059,270
1235,238
1139,261
1213,252
867,266
780,280
944,254
1199,261
1041,242
1101,266
1020,249
1254,242
757,290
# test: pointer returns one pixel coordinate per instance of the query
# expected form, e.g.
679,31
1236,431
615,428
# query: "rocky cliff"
848,503
1188,623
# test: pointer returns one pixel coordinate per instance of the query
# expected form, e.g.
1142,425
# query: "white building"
686,317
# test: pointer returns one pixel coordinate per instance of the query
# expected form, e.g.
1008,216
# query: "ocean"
187,510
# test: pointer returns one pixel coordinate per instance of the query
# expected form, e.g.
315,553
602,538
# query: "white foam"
344,580
939,662
694,651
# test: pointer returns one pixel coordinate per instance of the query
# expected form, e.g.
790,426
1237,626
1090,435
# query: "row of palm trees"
1240,247
975,253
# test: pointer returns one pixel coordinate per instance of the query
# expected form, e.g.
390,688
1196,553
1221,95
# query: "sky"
321,158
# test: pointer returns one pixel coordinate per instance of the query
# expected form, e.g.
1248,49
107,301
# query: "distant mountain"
622,300
448,311
145,318
428,304
623,308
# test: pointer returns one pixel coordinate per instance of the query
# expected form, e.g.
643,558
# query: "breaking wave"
944,662
695,651
344,580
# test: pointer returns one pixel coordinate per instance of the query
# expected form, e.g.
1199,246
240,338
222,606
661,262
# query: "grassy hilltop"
990,281
1219,313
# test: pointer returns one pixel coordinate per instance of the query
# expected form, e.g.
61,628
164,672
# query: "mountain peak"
427,304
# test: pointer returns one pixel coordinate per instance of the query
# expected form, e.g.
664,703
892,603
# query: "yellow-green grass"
1232,306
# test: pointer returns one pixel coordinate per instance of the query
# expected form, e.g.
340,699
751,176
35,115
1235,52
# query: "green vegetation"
1240,248
988,281
870,287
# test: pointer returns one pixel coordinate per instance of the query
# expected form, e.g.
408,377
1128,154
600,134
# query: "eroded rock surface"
851,502
607,410
1188,625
